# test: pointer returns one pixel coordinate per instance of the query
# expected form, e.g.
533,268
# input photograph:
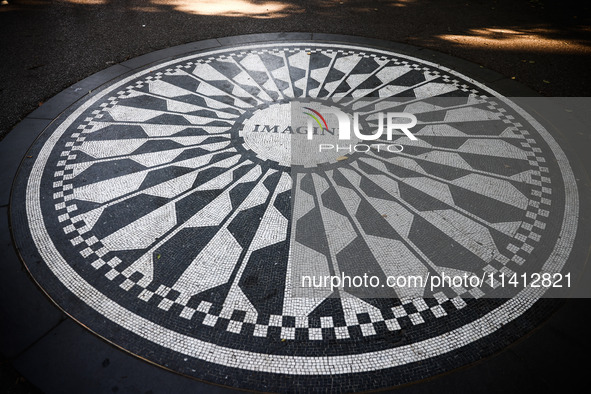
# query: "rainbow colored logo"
315,118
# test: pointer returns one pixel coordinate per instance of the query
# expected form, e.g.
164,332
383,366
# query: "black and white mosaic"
155,216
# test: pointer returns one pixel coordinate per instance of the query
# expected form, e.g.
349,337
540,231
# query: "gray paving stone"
175,209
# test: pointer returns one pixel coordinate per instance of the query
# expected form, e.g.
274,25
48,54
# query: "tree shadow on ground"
49,45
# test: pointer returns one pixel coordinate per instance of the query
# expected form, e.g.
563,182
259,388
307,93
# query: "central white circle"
279,133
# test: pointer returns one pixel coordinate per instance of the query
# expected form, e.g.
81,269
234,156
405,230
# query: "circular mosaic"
174,214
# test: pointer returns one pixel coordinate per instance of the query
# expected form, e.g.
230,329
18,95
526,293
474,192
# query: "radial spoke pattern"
451,202
162,204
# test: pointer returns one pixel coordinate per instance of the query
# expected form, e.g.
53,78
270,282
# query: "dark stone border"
46,346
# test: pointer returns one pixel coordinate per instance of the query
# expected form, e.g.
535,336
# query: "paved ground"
532,41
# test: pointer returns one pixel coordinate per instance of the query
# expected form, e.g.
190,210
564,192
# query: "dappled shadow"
532,39
234,8
49,45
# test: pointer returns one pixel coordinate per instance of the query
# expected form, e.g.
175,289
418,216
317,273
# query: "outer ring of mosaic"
302,365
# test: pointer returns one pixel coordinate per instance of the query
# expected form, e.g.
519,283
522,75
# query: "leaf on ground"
341,158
